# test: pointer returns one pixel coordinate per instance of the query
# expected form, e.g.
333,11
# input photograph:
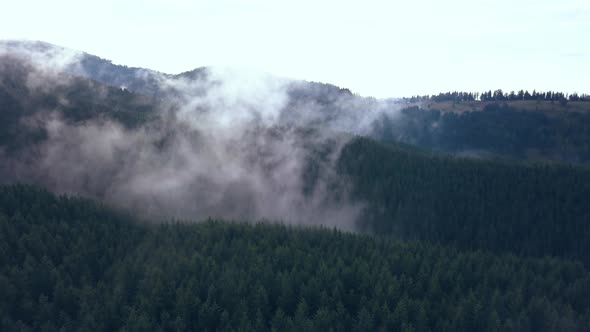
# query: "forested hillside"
528,209
527,130
70,264
499,205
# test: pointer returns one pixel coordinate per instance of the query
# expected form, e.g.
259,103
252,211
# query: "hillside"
72,264
526,209
82,137
507,130
523,129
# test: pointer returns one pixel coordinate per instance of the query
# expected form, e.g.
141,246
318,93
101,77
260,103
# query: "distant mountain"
82,64
141,80
517,130
28,96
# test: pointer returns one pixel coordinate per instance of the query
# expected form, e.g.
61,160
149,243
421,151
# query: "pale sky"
375,48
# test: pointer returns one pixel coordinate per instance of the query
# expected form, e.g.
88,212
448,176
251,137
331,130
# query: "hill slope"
531,130
511,129
69,263
131,151
528,209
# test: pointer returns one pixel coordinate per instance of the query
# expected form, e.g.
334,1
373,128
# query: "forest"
524,208
499,95
499,130
73,265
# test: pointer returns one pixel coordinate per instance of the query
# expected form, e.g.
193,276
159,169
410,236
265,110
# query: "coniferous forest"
72,264
529,209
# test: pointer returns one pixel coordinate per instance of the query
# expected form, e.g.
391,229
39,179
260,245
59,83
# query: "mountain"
85,65
523,130
334,178
28,94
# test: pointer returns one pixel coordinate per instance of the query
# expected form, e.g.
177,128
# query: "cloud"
46,57
221,145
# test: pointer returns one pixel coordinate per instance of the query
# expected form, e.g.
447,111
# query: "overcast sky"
375,48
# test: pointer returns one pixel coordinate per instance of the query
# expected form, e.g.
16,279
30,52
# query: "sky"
373,47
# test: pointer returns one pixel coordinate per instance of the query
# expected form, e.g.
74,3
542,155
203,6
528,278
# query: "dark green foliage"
474,204
54,254
498,130
69,264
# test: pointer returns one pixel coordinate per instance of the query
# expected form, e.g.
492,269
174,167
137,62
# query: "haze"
376,48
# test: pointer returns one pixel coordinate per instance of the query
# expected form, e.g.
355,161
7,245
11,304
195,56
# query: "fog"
226,143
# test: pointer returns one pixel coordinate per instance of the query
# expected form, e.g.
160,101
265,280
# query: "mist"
224,143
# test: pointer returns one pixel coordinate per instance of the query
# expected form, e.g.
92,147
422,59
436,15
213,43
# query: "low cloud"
227,144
